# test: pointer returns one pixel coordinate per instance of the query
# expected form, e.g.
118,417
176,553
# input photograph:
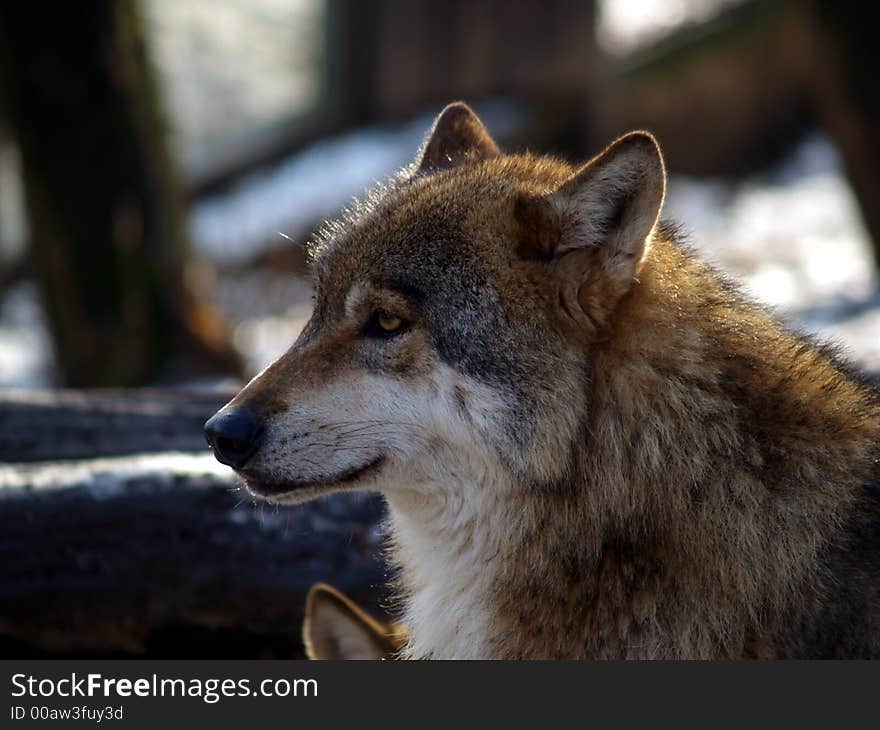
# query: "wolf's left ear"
457,136
596,228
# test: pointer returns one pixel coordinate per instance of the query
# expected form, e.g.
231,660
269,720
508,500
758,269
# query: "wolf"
337,628
591,444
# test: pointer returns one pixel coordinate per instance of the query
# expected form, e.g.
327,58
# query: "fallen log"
71,424
165,555
120,535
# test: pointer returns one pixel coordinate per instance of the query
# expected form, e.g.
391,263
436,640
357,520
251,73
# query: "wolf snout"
234,435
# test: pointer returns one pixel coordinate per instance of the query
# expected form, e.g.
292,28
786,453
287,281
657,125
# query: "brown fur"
749,465
675,473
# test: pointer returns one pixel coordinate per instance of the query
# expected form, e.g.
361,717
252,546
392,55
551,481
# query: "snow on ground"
794,237
25,348
315,184
107,477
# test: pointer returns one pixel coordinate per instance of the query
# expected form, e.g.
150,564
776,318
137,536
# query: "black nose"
234,436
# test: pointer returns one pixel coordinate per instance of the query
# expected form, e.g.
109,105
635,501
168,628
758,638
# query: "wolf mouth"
274,488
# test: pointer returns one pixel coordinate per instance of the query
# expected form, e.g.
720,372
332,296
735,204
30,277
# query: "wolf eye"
383,324
388,322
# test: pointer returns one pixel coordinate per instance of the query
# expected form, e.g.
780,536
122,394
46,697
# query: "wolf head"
455,310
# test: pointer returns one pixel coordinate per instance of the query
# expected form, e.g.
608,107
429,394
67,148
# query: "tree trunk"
840,74
65,424
106,235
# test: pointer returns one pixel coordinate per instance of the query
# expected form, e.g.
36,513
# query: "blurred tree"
720,94
392,58
106,240
731,95
840,74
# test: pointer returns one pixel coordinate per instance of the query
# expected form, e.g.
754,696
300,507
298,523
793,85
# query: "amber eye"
388,322
383,324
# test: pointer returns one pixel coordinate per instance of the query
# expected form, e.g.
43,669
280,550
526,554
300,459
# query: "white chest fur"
450,553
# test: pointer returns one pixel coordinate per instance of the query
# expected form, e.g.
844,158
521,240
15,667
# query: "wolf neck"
450,548
713,478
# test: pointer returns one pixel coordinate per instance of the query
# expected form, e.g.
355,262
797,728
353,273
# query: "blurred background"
161,163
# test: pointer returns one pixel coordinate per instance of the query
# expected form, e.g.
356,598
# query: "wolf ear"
596,228
457,136
335,628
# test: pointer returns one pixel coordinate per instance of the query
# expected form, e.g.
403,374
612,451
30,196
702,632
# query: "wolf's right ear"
595,230
335,628
457,136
